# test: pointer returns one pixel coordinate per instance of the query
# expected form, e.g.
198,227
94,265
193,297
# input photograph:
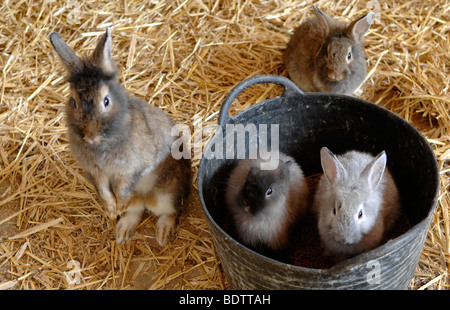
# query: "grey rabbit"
357,202
264,204
325,55
122,143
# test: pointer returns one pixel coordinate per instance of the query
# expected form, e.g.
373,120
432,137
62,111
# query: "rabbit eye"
73,102
334,211
106,101
360,214
269,192
349,56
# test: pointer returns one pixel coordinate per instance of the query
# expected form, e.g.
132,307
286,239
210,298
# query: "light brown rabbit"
356,202
325,55
122,143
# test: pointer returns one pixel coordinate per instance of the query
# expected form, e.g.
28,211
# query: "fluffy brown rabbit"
265,204
123,143
325,55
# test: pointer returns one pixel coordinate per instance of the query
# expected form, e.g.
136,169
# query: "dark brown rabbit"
265,204
325,55
123,143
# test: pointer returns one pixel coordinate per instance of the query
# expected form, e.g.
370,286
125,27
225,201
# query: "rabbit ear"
102,55
373,172
68,57
287,165
358,28
332,168
325,21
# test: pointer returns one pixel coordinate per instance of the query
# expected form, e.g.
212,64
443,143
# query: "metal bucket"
306,122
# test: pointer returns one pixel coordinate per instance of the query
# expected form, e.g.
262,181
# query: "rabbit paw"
124,230
120,207
111,211
165,229
126,226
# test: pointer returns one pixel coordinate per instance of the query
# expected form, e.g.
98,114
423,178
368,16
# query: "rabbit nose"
96,139
341,239
91,133
338,238
335,75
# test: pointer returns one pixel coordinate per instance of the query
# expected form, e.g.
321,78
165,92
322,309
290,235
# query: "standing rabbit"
356,202
266,203
122,143
325,55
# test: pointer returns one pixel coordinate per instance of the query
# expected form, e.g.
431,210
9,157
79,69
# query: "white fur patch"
268,223
164,204
146,183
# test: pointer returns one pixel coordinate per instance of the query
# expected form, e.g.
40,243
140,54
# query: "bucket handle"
289,89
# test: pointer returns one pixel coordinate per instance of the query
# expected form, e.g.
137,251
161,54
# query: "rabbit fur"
262,220
122,143
356,202
325,55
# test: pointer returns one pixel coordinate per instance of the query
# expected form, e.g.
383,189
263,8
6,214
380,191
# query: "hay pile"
184,56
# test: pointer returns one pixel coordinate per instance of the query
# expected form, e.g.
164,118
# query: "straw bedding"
183,56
